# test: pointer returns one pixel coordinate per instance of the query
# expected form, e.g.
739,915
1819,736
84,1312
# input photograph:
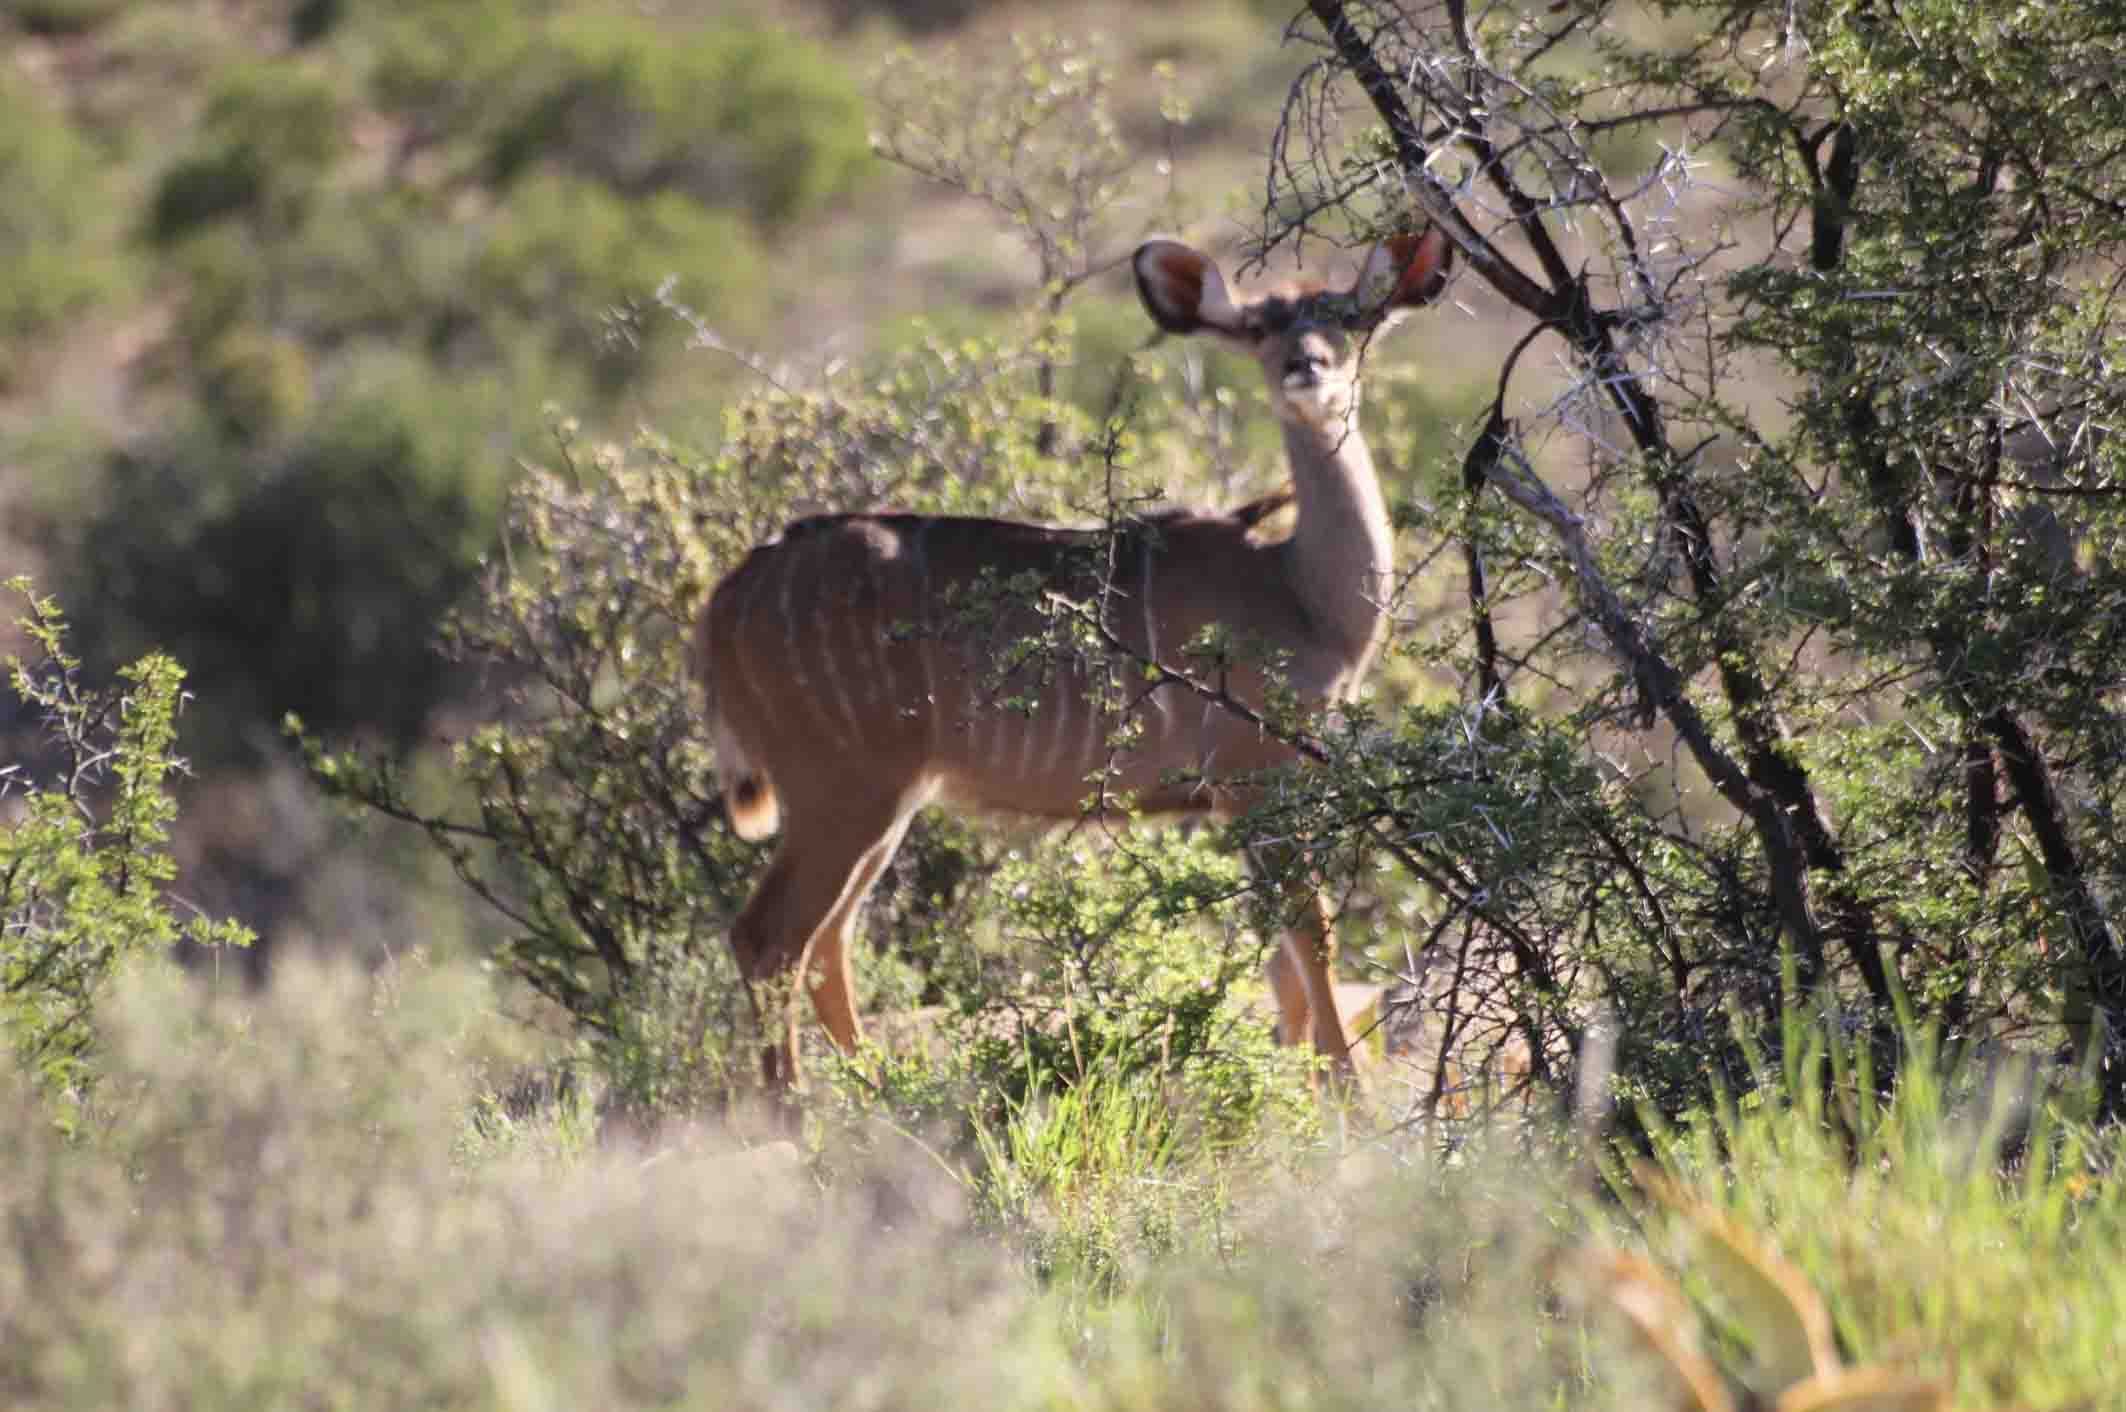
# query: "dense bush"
1850,709
440,64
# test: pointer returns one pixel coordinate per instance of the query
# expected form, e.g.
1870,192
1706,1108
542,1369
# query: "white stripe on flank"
741,624
1025,725
981,711
1092,735
1158,721
1065,692
925,639
1144,591
795,650
863,650
884,647
829,614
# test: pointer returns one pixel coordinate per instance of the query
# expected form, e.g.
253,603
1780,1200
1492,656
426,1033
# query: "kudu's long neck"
1341,551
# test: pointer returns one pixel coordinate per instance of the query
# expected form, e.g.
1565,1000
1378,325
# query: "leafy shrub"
84,829
306,573
221,276
580,624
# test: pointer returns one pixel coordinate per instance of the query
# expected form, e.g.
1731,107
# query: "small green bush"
443,65
84,858
55,224
572,258
730,114
271,134
220,279
256,385
201,189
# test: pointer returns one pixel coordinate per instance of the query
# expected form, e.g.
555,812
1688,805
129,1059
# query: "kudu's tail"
748,794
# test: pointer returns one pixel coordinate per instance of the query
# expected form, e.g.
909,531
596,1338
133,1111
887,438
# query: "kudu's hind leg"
826,968
799,916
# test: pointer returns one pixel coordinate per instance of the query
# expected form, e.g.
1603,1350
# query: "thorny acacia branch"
1768,783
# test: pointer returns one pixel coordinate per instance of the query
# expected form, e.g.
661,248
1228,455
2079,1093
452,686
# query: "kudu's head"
1308,339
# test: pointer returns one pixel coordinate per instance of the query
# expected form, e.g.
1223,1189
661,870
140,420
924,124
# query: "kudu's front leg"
1302,970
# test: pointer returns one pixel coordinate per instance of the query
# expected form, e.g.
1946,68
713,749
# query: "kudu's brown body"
854,666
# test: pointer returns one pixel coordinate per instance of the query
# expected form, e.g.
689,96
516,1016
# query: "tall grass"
305,1199
1969,1225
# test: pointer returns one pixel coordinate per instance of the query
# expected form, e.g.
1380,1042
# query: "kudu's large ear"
1182,289
1405,271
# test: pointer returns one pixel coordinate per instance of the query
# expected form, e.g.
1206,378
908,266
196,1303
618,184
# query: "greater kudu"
850,663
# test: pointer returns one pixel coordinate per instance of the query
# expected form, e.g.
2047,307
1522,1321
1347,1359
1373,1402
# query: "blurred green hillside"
288,289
